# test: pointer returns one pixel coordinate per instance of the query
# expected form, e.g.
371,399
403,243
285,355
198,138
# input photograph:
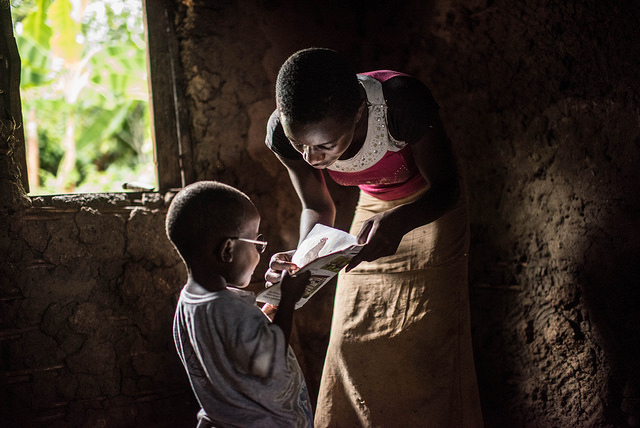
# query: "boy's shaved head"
204,212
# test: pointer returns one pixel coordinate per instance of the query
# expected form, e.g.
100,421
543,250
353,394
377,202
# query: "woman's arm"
310,185
317,207
435,160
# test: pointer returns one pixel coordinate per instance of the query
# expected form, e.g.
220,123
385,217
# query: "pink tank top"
384,167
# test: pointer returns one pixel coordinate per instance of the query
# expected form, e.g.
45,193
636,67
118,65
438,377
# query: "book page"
324,252
322,240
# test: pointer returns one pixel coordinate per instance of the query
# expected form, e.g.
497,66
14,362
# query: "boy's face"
245,255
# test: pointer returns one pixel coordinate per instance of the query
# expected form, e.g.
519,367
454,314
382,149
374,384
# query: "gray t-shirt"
235,359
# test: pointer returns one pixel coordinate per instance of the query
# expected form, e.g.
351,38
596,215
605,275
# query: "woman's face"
324,142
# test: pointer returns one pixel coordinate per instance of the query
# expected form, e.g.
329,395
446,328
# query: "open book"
324,252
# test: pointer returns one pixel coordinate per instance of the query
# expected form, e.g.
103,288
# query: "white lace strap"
373,88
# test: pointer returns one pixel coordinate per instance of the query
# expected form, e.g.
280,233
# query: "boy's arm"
292,288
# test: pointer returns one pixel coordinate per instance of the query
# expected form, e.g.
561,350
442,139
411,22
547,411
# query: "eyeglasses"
260,245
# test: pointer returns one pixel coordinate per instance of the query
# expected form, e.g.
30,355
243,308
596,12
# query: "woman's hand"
279,262
382,234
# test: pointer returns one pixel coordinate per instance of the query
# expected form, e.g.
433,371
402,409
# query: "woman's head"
320,103
315,83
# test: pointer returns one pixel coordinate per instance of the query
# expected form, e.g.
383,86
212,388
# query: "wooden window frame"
171,135
10,104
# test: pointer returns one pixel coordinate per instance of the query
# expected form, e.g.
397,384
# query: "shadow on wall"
610,282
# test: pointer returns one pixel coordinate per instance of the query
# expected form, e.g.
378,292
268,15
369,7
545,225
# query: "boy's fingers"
269,310
280,265
272,277
285,256
293,269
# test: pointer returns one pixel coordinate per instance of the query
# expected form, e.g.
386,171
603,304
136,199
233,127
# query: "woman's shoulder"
405,90
411,108
395,80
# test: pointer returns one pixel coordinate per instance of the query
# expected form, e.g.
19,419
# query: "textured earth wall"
86,315
542,102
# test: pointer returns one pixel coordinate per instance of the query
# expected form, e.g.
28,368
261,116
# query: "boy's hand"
269,310
293,287
279,263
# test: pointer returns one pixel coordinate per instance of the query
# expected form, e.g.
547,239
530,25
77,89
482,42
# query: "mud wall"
542,102
86,315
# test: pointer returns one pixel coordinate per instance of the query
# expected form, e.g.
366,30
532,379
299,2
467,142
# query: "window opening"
85,96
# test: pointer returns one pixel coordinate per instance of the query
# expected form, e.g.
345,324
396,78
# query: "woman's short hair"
203,212
316,83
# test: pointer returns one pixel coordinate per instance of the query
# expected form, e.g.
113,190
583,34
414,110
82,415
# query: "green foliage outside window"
84,92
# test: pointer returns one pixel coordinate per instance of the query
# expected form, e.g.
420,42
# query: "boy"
240,365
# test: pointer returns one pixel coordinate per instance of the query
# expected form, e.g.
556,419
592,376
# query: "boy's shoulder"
232,313
229,303
192,293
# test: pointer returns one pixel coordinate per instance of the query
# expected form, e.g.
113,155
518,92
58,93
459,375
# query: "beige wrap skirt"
400,351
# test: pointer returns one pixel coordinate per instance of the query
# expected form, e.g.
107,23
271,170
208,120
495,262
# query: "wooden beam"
171,132
10,104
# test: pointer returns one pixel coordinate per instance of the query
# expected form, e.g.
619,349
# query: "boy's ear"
226,251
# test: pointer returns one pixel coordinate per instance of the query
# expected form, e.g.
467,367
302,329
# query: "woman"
400,346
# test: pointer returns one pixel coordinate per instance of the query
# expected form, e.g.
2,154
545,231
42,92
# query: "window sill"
48,206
